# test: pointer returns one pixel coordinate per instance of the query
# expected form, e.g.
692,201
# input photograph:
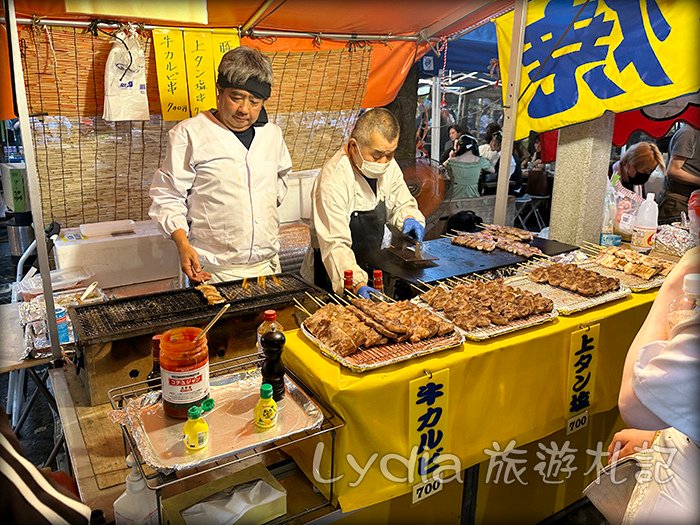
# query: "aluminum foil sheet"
231,428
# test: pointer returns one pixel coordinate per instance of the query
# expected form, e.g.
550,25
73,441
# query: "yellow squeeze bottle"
265,411
195,433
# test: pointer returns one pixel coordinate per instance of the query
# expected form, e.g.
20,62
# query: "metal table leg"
27,408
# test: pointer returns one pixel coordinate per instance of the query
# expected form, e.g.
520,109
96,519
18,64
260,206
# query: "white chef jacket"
223,195
340,190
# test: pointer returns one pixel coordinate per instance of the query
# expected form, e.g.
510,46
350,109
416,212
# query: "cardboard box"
14,186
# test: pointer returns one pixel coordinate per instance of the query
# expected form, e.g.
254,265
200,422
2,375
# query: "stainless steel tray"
384,355
158,437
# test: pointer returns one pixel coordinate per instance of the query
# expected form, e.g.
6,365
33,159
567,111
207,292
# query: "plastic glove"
367,292
414,228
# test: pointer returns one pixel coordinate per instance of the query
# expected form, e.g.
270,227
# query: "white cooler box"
121,259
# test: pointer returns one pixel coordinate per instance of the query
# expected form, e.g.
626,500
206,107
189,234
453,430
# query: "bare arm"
655,328
676,172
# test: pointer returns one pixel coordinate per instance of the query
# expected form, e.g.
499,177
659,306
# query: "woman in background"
636,165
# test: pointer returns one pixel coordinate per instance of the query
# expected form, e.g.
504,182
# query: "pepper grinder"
272,368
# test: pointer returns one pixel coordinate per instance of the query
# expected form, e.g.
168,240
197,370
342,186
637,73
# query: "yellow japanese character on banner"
200,74
172,75
428,431
581,58
583,364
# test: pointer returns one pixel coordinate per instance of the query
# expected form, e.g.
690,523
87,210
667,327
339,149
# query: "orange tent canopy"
378,18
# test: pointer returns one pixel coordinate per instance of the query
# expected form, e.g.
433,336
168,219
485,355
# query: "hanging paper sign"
200,74
583,363
223,40
428,399
172,75
581,59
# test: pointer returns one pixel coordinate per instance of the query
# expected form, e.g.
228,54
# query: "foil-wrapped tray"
384,355
231,427
493,330
565,301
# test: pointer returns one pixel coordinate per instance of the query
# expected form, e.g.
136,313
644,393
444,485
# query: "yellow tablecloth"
511,387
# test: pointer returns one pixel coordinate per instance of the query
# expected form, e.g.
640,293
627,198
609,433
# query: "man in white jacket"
359,190
224,176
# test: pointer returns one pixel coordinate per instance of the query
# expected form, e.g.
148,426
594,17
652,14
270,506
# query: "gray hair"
378,119
243,63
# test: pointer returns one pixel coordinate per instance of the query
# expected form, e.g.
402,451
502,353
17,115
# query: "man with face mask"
223,177
359,190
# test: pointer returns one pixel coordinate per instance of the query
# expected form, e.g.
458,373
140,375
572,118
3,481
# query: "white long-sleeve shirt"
223,195
337,192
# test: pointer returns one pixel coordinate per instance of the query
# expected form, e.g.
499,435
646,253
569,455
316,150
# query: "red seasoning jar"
378,280
184,370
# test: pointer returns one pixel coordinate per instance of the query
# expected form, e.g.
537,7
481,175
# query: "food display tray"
493,330
634,283
384,355
158,437
565,301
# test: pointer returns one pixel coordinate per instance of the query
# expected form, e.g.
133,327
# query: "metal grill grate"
148,314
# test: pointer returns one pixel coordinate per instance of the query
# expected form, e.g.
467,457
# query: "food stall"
507,383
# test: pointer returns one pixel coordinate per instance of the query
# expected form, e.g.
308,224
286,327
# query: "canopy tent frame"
32,179
510,110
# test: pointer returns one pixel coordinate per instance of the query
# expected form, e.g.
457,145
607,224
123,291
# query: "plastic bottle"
138,504
195,433
153,376
62,325
270,324
184,370
686,306
645,225
265,411
348,284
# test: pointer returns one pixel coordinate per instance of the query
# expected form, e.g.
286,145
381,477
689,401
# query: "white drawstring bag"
125,79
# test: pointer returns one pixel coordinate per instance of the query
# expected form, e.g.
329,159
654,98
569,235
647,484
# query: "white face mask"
372,170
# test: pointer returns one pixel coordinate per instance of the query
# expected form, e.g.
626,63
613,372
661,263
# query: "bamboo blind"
91,170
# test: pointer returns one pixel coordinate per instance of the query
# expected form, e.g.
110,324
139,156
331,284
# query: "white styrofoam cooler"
297,203
120,260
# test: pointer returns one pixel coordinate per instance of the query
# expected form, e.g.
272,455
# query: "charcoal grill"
155,313
114,337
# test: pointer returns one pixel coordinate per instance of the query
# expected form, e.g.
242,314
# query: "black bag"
463,221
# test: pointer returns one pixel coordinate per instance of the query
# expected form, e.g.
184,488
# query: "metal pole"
510,109
255,33
436,93
250,23
32,176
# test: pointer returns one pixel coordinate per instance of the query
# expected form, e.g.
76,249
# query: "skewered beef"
480,304
363,324
575,279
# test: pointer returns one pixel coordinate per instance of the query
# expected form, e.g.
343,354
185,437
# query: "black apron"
366,231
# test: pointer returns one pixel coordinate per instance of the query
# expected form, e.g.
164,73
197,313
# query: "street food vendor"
358,191
224,176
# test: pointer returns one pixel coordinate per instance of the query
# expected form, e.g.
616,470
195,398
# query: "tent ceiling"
374,17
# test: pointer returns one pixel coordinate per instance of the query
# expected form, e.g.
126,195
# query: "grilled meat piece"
573,278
